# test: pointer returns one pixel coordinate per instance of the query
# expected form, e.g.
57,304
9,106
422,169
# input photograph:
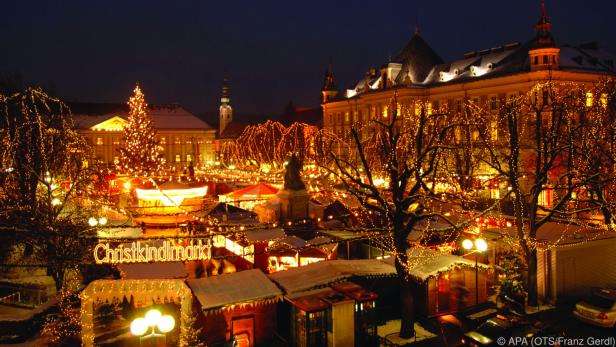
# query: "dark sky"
272,51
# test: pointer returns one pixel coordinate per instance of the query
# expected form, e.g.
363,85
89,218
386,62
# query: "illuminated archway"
145,290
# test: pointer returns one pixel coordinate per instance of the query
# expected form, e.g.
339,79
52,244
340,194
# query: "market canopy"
258,191
234,289
327,272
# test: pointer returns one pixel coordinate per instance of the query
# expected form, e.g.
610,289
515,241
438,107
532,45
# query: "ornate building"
486,77
183,136
226,112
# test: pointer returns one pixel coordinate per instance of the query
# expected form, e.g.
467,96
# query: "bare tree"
534,154
48,192
401,167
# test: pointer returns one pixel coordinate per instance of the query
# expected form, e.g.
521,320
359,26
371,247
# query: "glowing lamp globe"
55,202
152,317
166,323
92,221
102,220
481,245
139,326
467,244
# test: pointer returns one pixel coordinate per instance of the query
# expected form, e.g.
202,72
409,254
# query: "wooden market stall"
238,306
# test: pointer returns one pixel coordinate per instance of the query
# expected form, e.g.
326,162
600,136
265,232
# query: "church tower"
544,52
329,90
226,112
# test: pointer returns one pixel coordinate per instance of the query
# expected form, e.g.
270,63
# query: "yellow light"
467,244
481,245
102,221
92,221
166,323
138,327
152,317
55,202
127,185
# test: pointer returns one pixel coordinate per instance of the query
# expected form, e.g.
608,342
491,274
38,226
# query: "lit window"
199,140
116,160
116,140
346,117
385,112
178,158
589,100
545,198
399,109
163,140
494,130
429,108
459,106
189,157
178,140
604,100
99,141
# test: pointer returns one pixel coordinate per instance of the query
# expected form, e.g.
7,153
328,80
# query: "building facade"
485,78
182,136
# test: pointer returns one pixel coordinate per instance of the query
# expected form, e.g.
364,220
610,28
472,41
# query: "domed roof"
417,59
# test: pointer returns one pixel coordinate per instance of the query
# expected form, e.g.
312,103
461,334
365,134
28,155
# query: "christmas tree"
139,152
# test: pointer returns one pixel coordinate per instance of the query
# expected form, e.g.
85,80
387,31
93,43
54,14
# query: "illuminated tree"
47,192
399,167
139,153
534,154
63,328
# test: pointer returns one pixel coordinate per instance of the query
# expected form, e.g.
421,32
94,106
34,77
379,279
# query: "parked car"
599,309
488,332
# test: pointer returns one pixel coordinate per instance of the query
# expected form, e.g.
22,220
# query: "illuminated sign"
171,197
138,252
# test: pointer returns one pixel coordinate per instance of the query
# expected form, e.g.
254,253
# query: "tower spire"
225,110
416,26
544,29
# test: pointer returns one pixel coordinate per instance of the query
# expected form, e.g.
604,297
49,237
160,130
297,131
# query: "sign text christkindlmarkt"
138,252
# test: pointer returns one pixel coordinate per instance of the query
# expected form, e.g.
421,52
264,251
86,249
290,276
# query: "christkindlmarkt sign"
146,252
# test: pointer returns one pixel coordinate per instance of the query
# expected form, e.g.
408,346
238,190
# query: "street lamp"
153,319
480,245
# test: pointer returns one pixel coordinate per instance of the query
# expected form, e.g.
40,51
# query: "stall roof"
135,271
425,263
233,289
326,272
259,235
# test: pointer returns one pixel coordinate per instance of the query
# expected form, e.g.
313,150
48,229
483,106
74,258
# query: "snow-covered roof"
425,263
323,273
560,234
238,288
135,271
257,235
87,115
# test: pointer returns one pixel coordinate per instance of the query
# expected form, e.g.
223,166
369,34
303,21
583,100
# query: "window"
546,97
116,160
545,198
536,60
385,111
163,140
178,140
99,141
545,59
493,103
189,157
199,140
346,117
398,109
589,99
116,140
178,158
604,100
494,130
429,108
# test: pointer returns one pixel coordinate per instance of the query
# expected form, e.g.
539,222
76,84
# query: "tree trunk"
532,278
407,321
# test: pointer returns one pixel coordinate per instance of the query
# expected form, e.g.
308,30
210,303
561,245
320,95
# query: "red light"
602,315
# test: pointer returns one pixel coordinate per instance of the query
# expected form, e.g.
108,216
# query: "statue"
292,177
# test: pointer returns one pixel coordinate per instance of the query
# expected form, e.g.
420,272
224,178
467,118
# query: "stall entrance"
243,331
145,290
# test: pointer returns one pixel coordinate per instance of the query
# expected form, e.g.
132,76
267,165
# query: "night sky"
272,51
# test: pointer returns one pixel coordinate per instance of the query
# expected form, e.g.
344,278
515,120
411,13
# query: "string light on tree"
140,152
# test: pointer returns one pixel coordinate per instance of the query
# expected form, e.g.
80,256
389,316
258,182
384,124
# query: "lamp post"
153,319
479,246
